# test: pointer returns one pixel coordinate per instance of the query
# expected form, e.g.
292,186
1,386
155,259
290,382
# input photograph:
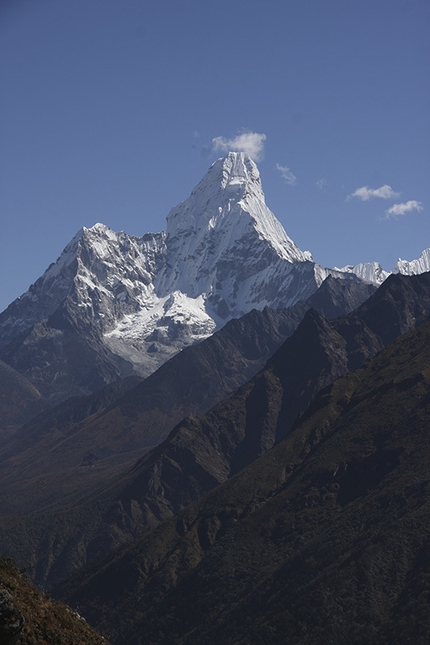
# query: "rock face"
54,332
114,305
11,620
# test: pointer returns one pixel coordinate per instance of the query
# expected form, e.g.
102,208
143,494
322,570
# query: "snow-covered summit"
413,267
222,231
230,199
373,271
367,271
101,274
225,253
144,298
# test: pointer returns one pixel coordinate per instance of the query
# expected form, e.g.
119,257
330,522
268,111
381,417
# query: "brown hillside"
28,617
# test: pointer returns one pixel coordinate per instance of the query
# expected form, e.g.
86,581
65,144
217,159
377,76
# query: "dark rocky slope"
201,453
189,384
64,357
19,401
89,511
75,452
322,540
28,617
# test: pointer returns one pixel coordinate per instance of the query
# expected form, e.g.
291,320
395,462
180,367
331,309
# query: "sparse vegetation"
322,540
45,621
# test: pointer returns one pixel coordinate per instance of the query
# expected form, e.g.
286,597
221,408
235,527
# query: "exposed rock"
114,305
93,510
29,617
11,620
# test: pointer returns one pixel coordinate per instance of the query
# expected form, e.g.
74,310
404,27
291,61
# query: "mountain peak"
236,169
413,267
229,180
99,229
225,212
374,273
224,253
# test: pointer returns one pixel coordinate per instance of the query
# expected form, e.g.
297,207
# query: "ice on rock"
367,271
223,254
414,267
373,271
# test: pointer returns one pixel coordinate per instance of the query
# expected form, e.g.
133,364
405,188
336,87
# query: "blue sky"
112,111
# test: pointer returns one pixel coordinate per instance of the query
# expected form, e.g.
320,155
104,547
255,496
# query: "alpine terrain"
73,486
113,305
373,272
207,437
324,539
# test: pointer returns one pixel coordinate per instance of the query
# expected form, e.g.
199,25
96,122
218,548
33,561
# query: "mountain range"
374,273
322,540
114,305
77,481
93,442
150,390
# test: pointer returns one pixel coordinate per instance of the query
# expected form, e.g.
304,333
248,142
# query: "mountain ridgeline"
207,437
114,305
57,483
323,539
30,617
93,442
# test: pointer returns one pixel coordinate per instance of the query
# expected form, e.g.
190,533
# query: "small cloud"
287,175
365,193
321,183
400,209
252,143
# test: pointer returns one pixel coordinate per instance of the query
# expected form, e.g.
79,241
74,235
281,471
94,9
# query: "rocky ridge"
323,539
29,617
374,273
115,305
87,512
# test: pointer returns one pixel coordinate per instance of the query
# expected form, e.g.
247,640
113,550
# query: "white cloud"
321,183
400,209
252,143
365,193
287,175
